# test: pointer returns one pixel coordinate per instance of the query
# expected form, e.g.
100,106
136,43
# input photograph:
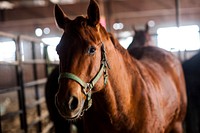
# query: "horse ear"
133,28
60,17
146,28
93,13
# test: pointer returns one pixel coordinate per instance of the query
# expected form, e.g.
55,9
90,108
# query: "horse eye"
91,50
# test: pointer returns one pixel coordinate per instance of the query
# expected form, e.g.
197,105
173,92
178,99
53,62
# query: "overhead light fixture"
64,1
118,25
151,23
6,5
40,2
46,30
38,32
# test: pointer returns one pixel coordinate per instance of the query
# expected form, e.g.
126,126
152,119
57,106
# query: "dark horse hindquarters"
191,69
51,88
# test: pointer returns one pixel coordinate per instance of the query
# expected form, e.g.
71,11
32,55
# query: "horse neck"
114,103
121,76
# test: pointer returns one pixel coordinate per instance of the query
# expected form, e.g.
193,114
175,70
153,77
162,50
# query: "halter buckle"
87,89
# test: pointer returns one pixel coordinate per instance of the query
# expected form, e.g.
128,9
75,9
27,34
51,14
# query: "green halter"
87,87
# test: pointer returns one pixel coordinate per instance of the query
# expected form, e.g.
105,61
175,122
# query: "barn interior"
29,35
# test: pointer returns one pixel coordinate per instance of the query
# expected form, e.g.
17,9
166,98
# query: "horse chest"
125,124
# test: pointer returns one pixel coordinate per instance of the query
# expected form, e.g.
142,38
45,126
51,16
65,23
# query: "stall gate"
24,67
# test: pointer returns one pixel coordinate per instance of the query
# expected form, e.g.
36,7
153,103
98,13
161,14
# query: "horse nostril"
73,103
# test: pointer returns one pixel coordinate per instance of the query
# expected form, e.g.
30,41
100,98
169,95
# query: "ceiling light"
151,23
6,5
118,26
38,32
46,30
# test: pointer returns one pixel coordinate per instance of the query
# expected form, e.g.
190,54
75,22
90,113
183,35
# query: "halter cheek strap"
87,87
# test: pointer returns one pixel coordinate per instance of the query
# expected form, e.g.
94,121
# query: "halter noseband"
87,87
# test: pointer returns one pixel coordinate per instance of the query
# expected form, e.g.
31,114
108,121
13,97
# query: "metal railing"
31,60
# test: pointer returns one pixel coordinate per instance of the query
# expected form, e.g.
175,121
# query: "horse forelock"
76,39
79,27
84,34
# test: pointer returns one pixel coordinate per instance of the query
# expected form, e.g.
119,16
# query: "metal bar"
45,57
11,114
9,63
53,63
153,13
6,90
36,82
50,126
20,82
185,55
31,39
36,61
37,96
177,3
4,34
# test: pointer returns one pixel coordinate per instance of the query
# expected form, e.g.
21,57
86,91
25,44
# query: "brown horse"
141,38
108,88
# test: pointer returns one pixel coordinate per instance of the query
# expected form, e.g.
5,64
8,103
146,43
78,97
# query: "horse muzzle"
69,108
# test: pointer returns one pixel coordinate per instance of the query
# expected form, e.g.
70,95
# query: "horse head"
141,37
83,62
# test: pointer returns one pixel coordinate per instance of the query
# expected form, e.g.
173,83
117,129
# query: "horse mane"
117,45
